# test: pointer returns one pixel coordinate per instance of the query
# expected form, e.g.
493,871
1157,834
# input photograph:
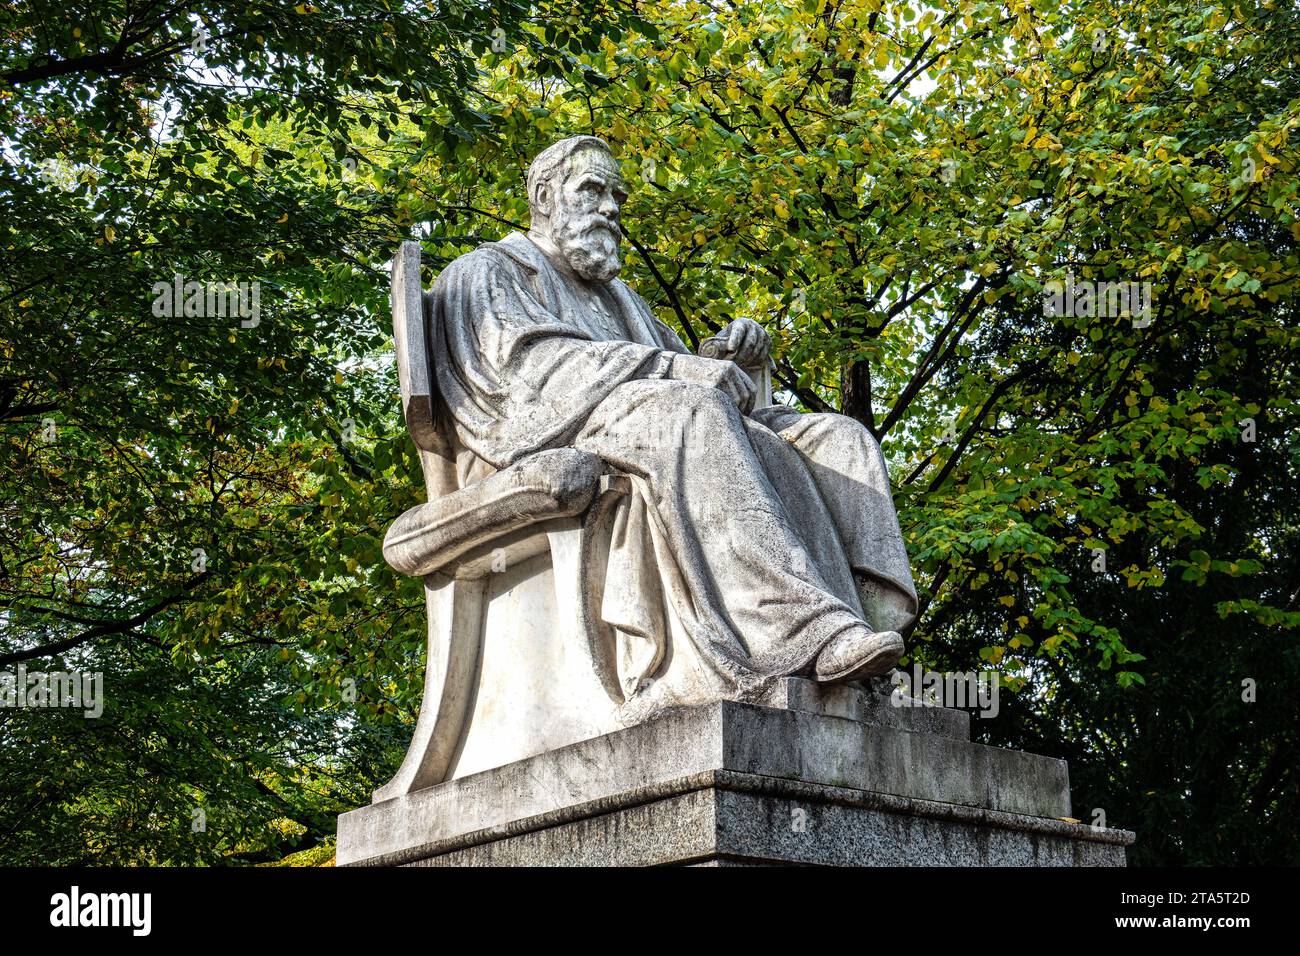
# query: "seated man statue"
756,543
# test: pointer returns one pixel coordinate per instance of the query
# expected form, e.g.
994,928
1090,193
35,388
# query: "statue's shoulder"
515,251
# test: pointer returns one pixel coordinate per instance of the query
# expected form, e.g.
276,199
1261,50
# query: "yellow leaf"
109,233
1007,600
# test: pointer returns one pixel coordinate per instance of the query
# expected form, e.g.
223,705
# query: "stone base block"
742,819
829,777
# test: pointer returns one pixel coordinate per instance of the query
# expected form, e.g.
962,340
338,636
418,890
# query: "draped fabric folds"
747,543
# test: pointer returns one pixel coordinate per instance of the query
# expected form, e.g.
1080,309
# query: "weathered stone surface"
867,706
655,785
734,820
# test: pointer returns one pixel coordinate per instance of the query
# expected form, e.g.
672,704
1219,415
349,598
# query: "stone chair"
517,664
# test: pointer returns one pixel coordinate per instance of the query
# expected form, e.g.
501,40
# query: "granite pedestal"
816,776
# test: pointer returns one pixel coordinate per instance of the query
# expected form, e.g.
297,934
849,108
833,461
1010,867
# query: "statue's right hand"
726,376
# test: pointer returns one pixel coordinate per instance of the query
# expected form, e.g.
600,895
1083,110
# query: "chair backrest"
413,338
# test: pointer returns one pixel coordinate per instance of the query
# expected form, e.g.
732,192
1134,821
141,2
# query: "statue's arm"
517,377
682,366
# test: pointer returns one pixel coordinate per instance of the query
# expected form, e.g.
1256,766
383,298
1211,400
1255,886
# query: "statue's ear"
543,200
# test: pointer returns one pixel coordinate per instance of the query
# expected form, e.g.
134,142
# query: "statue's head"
574,194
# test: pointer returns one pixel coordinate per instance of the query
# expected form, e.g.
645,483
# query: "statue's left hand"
744,342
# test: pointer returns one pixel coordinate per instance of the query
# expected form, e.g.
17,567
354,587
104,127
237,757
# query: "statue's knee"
839,430
708,404
668,413
673,399
829,423
699,410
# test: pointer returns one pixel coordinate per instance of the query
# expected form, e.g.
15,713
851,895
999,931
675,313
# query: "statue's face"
585,201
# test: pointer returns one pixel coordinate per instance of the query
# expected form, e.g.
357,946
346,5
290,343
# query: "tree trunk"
855,393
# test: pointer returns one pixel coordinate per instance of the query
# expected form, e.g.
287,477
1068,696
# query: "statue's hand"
727,376
744,342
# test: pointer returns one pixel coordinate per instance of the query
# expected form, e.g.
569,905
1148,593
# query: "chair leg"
455,610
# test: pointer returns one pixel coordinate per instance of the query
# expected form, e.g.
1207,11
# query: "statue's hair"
554,157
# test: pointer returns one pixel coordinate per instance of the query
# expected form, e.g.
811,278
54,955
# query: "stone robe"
749,541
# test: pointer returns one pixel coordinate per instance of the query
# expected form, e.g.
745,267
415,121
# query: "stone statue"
703,542
653,595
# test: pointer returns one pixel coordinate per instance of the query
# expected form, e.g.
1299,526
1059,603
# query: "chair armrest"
557,483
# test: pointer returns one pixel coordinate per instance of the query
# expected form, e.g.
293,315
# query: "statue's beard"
589,245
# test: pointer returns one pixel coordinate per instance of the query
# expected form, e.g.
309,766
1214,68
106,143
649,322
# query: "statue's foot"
858,653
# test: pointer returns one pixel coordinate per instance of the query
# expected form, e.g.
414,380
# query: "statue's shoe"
858,653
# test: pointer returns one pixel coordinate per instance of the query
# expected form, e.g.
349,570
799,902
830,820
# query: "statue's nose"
609,209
